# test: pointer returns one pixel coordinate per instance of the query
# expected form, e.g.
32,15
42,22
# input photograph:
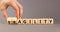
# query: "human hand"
16,6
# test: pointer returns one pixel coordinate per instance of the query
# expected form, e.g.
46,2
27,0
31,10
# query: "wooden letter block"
11,20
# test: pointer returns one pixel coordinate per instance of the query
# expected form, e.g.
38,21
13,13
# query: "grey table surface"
29,28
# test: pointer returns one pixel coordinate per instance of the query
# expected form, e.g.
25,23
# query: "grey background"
34,9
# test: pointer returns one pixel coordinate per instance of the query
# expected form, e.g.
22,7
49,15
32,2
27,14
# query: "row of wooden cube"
14,20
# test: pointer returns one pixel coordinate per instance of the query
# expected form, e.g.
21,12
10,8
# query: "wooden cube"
8,20
11,20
